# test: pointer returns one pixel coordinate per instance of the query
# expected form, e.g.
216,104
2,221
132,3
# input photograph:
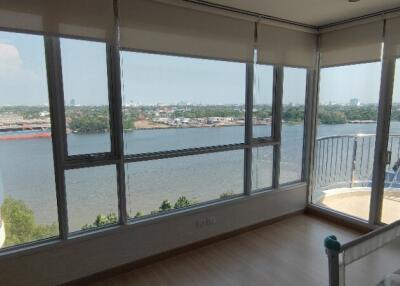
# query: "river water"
26,169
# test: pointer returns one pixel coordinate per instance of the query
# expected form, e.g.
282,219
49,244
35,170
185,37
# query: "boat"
25,134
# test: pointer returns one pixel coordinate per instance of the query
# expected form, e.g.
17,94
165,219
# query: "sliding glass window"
84,70
294,93
173,103
347,114
27,187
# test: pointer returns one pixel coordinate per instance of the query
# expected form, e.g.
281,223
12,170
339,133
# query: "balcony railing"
346,161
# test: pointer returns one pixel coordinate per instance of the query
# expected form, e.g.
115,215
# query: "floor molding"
338,219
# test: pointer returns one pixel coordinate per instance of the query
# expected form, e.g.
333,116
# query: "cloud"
10,60
12,67
19,83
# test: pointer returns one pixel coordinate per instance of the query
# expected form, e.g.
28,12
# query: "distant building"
44,114
354,102
72,102
10,118
213,120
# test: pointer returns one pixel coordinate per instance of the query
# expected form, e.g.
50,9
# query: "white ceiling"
311,12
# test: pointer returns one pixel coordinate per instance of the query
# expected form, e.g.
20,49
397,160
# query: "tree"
102,220
226,195
138,214
183,202
20,225
332,117
89,123
165,205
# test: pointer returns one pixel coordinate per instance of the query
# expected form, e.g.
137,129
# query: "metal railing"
347,161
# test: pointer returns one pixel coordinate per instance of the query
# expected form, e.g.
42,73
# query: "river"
26,169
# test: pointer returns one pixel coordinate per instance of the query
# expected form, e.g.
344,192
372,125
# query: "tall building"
354,102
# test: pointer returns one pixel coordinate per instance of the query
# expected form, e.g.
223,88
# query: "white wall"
64,261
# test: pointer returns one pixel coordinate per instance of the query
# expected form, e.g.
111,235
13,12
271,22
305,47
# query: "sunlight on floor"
356,202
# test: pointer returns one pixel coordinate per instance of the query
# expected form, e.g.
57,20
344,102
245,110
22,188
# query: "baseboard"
339,219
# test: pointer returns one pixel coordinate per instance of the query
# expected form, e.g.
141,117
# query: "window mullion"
382,137
57,115
115,101
310,124
277,122
248,127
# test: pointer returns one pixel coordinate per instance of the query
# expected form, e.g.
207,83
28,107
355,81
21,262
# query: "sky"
155,79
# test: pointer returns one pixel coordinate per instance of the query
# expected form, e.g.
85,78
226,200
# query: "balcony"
343,175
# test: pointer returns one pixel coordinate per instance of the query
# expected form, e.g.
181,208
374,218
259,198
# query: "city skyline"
149,79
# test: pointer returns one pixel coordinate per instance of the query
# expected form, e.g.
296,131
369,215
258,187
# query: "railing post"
332,249
353,162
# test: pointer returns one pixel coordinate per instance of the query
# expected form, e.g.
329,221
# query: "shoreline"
190,127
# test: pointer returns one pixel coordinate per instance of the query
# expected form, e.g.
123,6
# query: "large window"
27,188
175,103
294,94
183,128
84,69
347,115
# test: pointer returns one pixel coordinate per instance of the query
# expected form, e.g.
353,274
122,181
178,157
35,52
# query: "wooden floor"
289,252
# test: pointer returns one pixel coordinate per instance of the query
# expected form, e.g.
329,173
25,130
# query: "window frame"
191,150
93,156
306,125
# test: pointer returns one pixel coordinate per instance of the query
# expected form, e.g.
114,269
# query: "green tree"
226,195
20,225
293,114
138,214
183,202
165,205
332,117
102,220
89,123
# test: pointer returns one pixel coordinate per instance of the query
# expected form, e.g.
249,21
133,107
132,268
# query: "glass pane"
262,100
160,185
27,188
84,68
294,93
261,171
91,197
391,197
176,103
348,105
